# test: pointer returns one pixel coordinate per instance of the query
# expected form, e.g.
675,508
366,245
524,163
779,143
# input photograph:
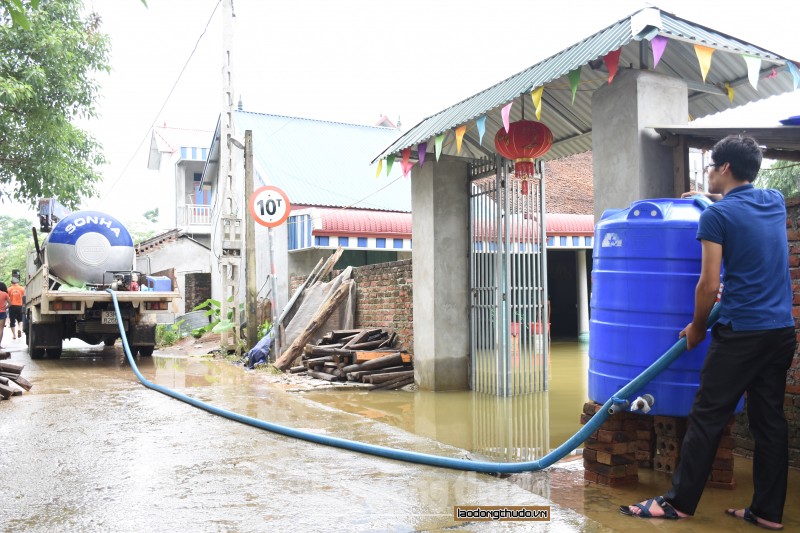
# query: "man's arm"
705,294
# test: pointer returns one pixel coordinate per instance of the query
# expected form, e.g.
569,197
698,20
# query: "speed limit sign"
269,206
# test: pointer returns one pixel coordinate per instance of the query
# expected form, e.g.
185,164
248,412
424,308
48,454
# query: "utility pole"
250,247
229,192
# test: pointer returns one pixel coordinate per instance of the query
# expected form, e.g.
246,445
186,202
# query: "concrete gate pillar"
629,160
440,264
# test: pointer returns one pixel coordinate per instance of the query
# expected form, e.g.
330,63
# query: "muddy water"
519,428
90,449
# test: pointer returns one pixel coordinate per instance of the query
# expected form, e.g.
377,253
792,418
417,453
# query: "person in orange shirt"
15,293
4,303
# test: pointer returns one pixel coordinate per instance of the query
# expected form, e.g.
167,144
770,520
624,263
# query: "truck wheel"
146,351
109,341
30,338
54,353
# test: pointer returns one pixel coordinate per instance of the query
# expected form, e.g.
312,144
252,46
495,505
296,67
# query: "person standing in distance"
752,344
4,303
16,293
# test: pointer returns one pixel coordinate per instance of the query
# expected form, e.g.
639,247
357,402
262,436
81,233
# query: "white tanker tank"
85,247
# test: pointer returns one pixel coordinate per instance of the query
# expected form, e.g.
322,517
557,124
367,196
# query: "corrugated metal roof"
571,123
319,163
359,222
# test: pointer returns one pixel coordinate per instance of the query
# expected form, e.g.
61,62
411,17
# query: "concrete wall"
439,194
628,159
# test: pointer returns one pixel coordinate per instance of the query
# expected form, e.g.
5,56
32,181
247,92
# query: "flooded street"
91,449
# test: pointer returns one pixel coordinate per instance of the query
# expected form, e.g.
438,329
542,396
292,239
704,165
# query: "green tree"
15,236
46,82
151,215
782,175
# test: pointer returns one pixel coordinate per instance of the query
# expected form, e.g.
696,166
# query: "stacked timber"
11,381
358,355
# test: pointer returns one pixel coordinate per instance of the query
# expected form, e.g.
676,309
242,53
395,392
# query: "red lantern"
525,141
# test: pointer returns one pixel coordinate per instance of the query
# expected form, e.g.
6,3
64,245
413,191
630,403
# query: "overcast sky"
347,60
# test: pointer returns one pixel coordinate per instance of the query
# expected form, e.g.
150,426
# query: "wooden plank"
322,375
297,369
358,374
388,343
3,380
360,336
364,356
11,368
5,354
388,376
6,391
392,359
369,345
395,384
24,383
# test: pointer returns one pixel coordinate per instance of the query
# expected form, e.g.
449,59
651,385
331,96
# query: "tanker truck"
85,253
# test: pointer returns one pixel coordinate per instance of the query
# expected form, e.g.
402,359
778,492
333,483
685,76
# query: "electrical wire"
166,101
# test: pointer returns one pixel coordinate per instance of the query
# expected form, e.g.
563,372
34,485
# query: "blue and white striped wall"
300,230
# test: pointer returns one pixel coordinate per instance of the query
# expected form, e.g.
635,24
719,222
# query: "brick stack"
669,432
645,440
722,470
609,455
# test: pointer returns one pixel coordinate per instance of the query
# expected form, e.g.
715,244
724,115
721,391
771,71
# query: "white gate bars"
508,281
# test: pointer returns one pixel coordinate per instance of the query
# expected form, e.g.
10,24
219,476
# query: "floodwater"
90,449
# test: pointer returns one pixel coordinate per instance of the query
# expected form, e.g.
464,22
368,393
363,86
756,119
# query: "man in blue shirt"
752,344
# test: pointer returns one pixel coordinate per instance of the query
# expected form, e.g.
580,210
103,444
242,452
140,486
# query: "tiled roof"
561,224
360,222
568,185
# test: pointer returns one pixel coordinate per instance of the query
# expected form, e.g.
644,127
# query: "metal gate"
508,281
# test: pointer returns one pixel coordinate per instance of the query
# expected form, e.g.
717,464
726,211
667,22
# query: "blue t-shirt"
750,224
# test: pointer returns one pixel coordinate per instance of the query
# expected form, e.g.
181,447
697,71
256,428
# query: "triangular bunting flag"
753,69
481,124
574,80
659,44
611,60
460,131
537,101
795,73
380,167
704,57
774,74
422,148
405,164
389,163
438,145
505,112
730,91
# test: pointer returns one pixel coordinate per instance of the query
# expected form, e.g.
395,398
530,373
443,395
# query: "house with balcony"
181,249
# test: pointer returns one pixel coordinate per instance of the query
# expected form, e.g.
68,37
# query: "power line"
166,100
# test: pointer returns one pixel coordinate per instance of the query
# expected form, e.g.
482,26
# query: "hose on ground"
612,405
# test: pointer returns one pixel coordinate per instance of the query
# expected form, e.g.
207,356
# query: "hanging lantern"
523,143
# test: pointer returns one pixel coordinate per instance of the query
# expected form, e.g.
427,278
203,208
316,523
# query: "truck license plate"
109,317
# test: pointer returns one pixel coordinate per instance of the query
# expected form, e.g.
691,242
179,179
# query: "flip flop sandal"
669,511
751,518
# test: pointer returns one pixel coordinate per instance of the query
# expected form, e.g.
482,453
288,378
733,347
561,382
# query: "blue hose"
421,458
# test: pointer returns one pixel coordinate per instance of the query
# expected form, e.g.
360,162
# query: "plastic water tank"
646,264
85,246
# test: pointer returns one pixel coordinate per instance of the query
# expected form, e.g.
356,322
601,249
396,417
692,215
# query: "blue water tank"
646,264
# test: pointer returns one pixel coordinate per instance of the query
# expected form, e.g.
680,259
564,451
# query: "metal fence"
508,281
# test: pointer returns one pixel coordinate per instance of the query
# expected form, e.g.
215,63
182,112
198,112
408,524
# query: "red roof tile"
361,222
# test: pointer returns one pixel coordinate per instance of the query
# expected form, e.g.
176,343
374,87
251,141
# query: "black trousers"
739,361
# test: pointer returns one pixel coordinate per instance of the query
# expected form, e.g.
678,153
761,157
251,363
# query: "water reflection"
509,429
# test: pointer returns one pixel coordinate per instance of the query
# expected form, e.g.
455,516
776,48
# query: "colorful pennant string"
438,145
405,163
481,124
380,167
730,91
753,69
389,163
460,131
795,73
659,44
611,60
505,112
422,148
704,57
537,101
574,80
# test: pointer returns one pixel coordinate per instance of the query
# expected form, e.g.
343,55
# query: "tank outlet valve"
617,405
643,403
